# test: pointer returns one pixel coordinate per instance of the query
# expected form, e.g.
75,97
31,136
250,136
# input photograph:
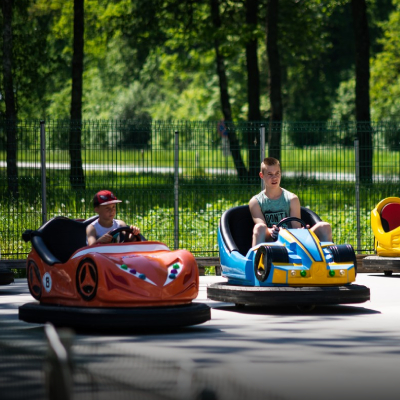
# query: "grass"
201,204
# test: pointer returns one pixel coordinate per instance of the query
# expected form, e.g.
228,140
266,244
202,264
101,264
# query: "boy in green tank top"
275,203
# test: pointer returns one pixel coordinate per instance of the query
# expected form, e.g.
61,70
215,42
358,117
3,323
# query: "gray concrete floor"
347,351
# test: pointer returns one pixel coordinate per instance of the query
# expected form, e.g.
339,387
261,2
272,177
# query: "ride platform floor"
332,352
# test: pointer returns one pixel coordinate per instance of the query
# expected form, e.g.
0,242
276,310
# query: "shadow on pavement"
317,311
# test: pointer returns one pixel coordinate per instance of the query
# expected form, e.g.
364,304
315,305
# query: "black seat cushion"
309,217
236,226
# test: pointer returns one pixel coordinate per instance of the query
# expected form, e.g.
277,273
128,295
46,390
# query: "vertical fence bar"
58,370
176,191
43,170
357,171
262,149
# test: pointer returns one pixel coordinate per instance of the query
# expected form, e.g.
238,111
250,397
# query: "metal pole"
176,192
58,371
357,168
262,149
43,170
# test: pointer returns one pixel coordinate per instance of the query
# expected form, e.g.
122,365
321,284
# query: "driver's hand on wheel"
106,238
132,236
274,232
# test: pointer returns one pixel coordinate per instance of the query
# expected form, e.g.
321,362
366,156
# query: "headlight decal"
173,271
133,272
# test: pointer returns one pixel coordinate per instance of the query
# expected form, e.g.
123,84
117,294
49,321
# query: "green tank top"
275,210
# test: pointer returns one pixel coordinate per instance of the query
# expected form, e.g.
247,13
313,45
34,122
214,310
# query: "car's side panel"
234,266
117,275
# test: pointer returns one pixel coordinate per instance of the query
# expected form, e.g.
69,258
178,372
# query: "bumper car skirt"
288,295
113,319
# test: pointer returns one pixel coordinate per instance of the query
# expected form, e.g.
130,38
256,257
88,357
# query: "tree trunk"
224,94
11,113
253,88
364,129
77,177
274,78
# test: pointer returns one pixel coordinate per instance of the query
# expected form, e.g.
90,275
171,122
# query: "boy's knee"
325,226
323,230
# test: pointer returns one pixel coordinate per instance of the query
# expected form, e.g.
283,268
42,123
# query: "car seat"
58,238
385,223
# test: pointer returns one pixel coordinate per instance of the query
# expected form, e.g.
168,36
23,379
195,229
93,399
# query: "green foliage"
344,107
385,68
156,59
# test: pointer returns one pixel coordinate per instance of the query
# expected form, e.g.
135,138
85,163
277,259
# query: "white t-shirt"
101,230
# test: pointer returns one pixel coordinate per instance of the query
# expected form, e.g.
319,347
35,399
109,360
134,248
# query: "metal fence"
58,366
177,178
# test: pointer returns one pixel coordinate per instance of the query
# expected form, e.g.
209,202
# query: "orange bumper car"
135,285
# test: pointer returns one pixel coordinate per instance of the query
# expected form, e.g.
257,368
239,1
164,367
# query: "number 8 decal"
47,282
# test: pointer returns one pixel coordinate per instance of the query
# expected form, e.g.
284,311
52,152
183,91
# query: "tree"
10,114
224,94
77,177
275,91
253,73
364,129
253,83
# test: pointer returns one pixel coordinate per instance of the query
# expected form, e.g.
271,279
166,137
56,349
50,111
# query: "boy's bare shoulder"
90,228
292,196
253,200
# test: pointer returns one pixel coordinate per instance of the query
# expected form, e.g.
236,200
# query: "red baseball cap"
105,197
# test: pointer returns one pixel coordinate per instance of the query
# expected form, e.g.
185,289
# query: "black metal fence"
175,186
35,366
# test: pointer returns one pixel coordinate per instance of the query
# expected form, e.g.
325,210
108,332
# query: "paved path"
335,352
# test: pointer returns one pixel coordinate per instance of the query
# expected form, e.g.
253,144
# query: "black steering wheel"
290,219
127,231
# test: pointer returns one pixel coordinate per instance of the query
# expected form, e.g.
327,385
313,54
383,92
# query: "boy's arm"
256,212
295,211
258,218
91,236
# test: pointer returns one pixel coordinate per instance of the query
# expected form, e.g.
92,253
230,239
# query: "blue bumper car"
296,269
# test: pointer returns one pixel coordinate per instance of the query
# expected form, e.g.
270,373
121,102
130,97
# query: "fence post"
262,149
357,170
176,191
58,368
43,170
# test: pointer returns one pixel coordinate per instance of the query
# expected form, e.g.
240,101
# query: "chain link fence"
178,198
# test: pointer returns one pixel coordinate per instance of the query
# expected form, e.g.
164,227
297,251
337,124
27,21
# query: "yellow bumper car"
385,223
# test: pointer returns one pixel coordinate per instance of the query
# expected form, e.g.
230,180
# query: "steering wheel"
289,219
125,229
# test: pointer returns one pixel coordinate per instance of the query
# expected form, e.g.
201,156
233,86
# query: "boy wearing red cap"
104,203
